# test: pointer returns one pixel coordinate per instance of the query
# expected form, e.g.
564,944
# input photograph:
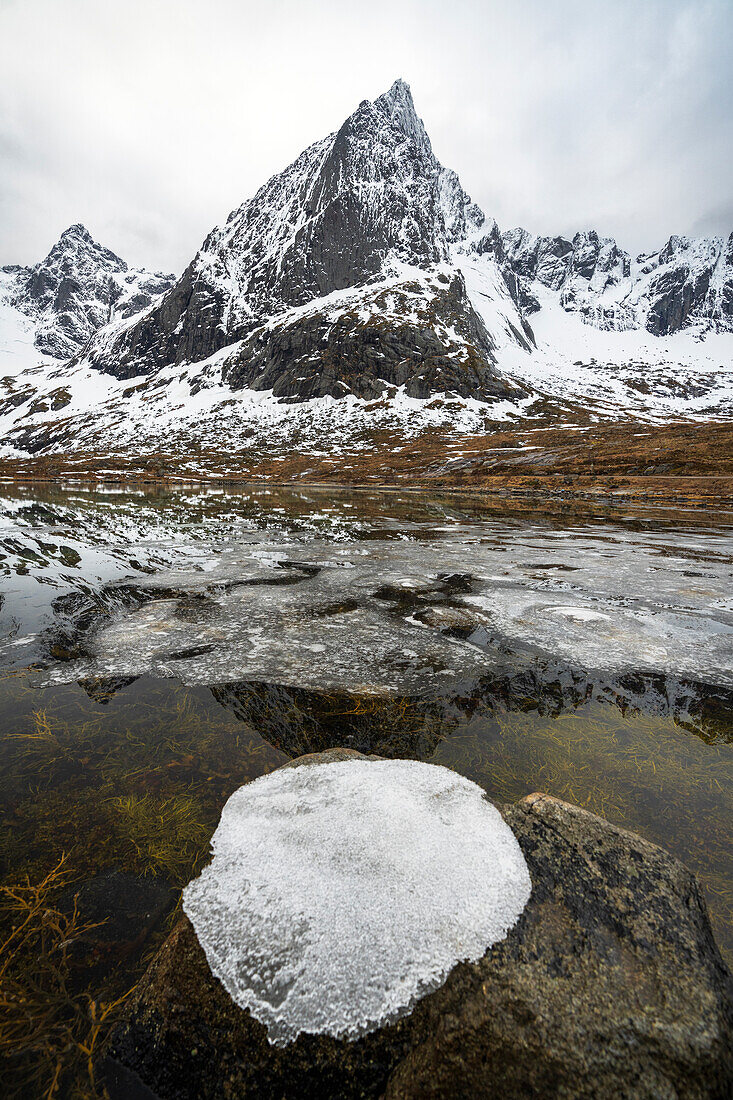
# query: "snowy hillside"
359,289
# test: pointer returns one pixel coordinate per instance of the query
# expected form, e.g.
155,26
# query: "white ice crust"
339,894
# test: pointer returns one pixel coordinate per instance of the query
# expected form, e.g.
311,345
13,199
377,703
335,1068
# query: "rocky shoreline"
610,985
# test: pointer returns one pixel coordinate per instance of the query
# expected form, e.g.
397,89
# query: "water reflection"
590,660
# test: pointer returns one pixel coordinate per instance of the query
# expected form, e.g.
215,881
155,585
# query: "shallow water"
161,649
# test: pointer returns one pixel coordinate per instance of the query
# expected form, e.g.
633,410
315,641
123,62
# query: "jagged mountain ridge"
361,290
79,287
341,275
364,265
687,282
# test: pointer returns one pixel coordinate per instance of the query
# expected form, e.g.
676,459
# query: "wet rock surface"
121,910
609,986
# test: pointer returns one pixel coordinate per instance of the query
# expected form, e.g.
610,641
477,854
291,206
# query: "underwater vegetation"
643,772
128,788
139,780
50,1025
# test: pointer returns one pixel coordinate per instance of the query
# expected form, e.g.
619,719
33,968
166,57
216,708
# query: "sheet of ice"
581,614
382,614
77,544
288,636
618,635
322,595
339,894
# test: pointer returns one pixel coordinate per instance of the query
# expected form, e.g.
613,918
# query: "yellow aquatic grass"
167,834
643,772
49,1031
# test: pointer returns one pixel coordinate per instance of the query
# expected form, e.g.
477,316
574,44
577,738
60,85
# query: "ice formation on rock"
339,894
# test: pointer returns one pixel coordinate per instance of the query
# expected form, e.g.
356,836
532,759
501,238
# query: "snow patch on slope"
17,334
688,374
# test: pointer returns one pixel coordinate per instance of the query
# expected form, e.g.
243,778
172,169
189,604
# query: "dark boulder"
609,986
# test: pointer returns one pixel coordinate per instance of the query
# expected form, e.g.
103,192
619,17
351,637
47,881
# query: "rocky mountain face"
362,271
79,287
688,282
364,268
344,274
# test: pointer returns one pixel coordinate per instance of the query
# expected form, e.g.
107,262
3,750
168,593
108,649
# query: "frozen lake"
160,649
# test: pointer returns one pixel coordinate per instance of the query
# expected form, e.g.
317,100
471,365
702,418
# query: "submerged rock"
610,985
121,911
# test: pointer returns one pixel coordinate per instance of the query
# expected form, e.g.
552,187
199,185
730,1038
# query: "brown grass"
685,463
49,1032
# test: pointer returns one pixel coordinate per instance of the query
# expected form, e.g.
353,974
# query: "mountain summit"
343,274
365,267
79,287
360,291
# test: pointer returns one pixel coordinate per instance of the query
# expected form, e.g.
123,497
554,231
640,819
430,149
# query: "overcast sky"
149,120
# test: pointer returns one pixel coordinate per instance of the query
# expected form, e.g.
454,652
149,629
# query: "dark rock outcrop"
676,294
318,356
609,986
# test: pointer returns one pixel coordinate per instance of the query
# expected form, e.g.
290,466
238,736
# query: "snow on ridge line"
340,894
406,241
77,289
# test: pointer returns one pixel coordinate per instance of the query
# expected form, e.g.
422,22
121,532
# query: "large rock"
610,986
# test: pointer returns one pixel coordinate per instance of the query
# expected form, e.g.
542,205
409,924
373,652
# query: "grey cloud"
151,120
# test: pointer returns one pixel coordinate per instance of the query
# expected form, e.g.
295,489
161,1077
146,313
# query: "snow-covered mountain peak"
688,282
398,106
343,273
76,253
363,276
76,232
75,289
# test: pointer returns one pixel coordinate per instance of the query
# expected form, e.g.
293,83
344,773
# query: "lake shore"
679,465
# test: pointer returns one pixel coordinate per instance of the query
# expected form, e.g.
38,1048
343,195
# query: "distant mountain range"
363,271
687,283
